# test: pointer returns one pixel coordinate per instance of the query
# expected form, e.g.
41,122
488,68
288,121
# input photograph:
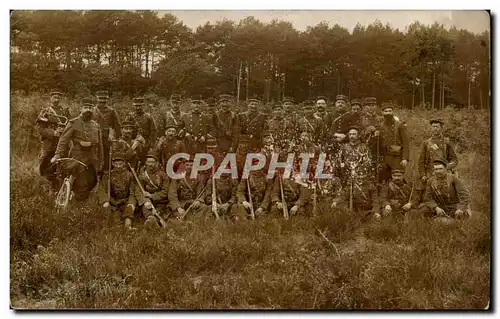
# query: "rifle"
315,200
285,208
214,195
197,198
109,175
155,213
350,197
252,213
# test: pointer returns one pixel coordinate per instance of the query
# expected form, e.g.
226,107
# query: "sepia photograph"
250,160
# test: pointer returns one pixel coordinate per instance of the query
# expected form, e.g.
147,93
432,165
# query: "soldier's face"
288,106
320,104
127,130
243,147
150,163
138,108
253,106
387,112
86,110
356,108
118,164
340,105
188,166
436,129
370,109
55,99
170,132
195,108
101,102
439,170
353,135
175,106
305,137
397,177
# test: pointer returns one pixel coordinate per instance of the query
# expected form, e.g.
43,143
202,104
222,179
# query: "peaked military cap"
437,120
353,128
439,161
55,92
88,101
341,97
152,153
139,100
175,97
170,123
371,100
253,101
357,101
102,94
321,97
226,96
244,139
288,99
118,155
398,169
387,105
308,103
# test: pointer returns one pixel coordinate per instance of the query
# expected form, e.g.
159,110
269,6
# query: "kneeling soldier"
296,196
253,194
398,196
186,193
446,194
361,195
155,183
118,193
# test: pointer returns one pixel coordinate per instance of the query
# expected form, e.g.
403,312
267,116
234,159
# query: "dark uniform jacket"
156,183
79,132
436,148
185,190
225,190
364,196
395,137
225,127
448,193
146,127
260,188
167,148
122,188
295,193
398,195
107,118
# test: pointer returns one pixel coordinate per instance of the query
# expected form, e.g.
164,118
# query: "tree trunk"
239,84
433,88
481,98
338,84
468,94
413,95
248,81
147,59
284,86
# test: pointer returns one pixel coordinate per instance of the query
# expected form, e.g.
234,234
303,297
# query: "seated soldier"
257,200
445,195
360,194
397,196
186,195
130,143
225,193
155,183
329,191
120,196
297,196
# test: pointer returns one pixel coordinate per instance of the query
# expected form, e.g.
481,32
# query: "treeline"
141,52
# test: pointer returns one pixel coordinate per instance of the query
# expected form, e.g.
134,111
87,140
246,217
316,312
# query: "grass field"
83,259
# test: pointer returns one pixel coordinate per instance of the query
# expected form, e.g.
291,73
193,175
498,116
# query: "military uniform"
107,119
295,194
329,191
194,131
260,188
132,145
396,196
449,193
168,146
156,183
122,190
183,192
47,124
364,197
395,144
225,128
354,159
145,124
86,140
226,194
252,124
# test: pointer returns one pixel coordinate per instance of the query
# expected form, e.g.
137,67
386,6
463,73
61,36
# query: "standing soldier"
169,145
155,183
252,123
85,137
397,196
194,129
351,118
445,194
354,158
395,146
145,124
257,200
187,194
120,194
310,123
173,115
130,143
340,118
225,126
370,133
437,147
50,125
241,153
107,119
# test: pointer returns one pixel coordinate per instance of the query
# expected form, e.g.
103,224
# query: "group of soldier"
366,147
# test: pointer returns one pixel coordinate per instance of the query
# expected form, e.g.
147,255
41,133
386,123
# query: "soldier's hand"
459,213
377,133
294,209
196,204
58,132
54,159
387,210
334,204
377,216
181,211
440,211
105,205
407,206
279,205
223,207
148,205
404,162
259,211
247,205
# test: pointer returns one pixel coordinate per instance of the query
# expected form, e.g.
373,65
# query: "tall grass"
83,259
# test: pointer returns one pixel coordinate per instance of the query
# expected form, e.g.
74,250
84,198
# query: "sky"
474,21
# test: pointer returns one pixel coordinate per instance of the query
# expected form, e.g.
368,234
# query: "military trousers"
49,170
390,162
85,181
125,209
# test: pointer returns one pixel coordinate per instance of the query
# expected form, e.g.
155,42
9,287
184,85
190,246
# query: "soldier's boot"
151,223
128,224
